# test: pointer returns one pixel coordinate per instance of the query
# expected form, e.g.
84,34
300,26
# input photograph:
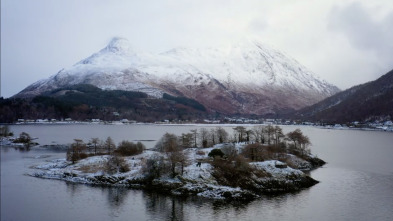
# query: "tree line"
116,163
269,135
261,143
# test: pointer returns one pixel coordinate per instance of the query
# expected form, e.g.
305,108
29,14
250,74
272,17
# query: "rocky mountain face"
365,102
247,78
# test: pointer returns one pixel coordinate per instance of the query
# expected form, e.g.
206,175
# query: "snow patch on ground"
270,167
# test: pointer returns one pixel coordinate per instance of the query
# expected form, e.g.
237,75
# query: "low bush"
216,153
155,167
116,164
236,172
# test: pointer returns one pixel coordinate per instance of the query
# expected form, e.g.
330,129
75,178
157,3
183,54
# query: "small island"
206,162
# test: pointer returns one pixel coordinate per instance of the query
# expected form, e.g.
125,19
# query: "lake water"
356,184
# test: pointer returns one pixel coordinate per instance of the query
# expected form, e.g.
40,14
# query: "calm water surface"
356,184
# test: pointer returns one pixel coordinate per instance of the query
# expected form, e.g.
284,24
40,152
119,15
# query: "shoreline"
387,129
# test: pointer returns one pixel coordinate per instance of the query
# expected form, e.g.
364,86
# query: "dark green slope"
82,102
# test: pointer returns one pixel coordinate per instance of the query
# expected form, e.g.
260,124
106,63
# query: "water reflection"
17,148
73,189
117,196
162,207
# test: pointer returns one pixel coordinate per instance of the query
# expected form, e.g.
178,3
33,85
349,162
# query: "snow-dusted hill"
247,78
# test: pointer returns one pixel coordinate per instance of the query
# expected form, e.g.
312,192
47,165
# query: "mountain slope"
364,102
247,78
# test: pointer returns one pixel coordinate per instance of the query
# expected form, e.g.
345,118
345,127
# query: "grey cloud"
363,32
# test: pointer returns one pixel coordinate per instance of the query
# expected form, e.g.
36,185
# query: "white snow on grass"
299,162
270,167
192,172
202,173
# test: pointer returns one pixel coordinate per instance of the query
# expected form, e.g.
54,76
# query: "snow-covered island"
225,171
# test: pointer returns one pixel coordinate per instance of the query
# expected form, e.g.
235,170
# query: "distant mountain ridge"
365,102
247,78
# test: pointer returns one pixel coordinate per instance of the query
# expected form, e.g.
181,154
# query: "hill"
366,102
83,101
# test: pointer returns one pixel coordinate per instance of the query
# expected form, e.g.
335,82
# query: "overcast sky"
346,42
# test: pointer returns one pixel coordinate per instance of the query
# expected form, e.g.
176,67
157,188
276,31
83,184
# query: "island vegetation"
23,141
206,162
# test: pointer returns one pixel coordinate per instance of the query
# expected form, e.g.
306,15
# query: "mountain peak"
247,78
119,45
247,42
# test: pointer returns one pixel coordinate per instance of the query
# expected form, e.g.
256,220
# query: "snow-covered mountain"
247,78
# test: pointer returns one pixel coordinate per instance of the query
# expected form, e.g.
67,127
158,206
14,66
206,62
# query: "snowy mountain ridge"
248,77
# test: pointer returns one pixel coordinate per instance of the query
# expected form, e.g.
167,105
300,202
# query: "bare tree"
222,135
254,152
170,145
278,135
259,132
194,136
300,141
186,140
175,158
269,131
109,145
240,132
76,151
203,136
249,133
167,143
212,136
95,142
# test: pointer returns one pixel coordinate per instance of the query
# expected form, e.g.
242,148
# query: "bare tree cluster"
172,147
127,148
116,164
79,150
271,141
76,151
300,141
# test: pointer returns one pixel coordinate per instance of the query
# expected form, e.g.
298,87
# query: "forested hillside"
83,102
